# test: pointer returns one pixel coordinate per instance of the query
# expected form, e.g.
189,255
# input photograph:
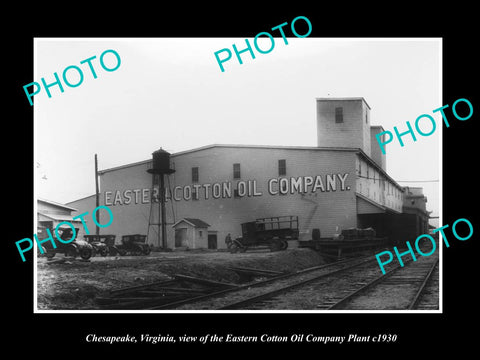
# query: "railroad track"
184,290
352,289
161,292
338,285
399,289
428,295
235,298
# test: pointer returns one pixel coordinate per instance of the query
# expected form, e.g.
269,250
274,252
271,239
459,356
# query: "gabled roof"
194,222
57,217
86,197
56,204
234,146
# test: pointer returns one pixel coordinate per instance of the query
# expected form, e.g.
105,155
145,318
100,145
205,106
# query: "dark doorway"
180,237
212,241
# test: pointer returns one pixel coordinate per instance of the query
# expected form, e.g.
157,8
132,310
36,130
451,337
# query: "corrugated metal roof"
58,217
50,202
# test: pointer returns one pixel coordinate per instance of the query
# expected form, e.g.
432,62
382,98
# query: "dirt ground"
72,284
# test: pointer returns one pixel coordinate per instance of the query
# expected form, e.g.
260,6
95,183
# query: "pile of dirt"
74,284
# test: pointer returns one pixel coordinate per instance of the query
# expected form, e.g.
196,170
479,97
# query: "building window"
194,194
194,174
366,117
282,167
339,115
367,171
236,171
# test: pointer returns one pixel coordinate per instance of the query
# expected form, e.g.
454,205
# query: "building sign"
227,189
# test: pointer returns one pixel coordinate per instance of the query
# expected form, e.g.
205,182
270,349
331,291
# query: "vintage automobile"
99,243
273,232
134,245
73,248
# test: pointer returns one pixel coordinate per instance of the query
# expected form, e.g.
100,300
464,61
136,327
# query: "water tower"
160,168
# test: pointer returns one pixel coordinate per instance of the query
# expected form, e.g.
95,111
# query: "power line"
413,181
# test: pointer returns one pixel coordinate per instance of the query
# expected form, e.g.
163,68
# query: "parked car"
74,248
134,245
99,243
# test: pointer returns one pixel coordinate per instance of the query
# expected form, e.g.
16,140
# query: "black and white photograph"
269,182
266,186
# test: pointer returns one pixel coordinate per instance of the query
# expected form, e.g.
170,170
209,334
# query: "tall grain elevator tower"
345,122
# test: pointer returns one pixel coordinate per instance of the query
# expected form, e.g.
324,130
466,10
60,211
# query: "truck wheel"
234,248
137,250
50,253
146,250
104,252
275,246
85,254
237,246
71,251
41,253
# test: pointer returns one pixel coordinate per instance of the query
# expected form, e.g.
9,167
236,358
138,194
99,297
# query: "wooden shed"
191,233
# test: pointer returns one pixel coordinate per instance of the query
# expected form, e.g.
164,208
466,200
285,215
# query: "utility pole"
97,197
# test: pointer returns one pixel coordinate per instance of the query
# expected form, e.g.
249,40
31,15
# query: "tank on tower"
161,163
160,168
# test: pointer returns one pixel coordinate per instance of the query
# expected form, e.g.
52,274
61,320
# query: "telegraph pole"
97,197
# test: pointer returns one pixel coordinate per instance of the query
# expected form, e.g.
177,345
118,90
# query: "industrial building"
339,184
51,214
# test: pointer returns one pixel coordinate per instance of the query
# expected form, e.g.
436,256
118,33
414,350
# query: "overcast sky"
170,93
